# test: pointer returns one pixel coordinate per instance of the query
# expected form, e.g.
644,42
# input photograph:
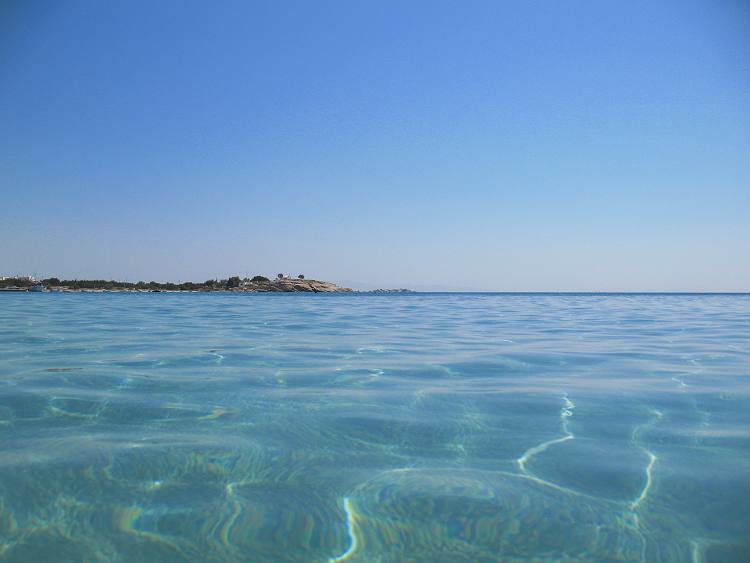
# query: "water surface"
484,427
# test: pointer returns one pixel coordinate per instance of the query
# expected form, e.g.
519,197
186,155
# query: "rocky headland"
258,284
293,285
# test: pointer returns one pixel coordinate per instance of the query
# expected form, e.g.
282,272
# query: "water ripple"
470,427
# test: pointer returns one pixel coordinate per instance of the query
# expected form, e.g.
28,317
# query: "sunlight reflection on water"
465,427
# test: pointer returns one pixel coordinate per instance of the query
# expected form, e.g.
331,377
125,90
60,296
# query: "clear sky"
527,145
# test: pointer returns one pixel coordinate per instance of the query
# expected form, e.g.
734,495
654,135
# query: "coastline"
280,285
234,284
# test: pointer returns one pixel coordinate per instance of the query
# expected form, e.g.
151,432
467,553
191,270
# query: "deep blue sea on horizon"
419,427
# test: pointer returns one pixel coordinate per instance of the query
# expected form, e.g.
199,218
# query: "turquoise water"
224,427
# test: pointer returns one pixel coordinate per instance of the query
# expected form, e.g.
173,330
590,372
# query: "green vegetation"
16,282
233,282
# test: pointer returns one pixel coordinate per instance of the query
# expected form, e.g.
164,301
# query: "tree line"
208,285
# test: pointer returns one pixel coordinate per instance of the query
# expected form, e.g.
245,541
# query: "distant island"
401,290
282,283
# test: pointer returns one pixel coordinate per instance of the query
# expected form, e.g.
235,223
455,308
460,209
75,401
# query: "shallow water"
223,427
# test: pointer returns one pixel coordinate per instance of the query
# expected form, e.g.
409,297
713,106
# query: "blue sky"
529,145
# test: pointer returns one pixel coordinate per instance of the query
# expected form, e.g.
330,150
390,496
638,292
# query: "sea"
361,427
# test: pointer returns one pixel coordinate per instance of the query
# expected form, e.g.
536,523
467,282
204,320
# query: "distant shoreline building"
19,278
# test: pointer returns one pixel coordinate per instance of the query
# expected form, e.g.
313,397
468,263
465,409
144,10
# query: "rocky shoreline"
256,285
293,285
287,286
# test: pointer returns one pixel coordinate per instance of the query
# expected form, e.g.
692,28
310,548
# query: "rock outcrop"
294,285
